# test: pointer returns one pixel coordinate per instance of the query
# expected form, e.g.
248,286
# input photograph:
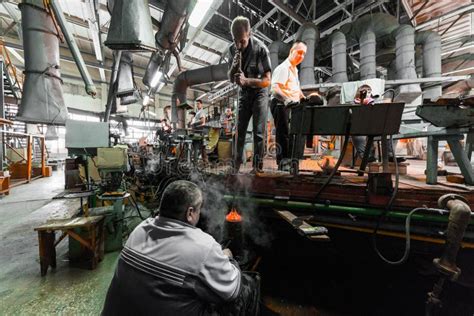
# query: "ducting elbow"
188,78
308,33
431,43
339,60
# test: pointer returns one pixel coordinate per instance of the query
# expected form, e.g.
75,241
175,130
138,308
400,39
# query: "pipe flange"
443,200
452,272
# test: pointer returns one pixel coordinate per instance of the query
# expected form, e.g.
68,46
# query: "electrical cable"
136,206
387,209
341,156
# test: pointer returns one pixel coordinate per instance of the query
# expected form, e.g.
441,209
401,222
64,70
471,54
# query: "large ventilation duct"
71,42
405,63
308,33
367,44
339,57
42,100
278,52
125,84
130,26
188,78
431,42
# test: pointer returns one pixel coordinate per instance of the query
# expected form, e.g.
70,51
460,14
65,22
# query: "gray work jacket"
168,267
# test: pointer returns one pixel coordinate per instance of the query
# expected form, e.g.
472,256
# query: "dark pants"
252,103
248,301
281,119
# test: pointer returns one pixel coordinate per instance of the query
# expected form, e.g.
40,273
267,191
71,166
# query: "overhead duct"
167,38
431,43
189,78
125,83
130,26
278,52
339,57
42,100
367,45
405,63
308,33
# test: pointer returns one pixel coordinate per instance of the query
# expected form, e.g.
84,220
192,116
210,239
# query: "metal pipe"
431,42
188,78
112,87
367,44
308,33
459,218
405,63
353,210
76,54
339,57
278,52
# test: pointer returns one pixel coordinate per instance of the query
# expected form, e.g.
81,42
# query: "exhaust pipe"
71,42
308,33
188,78
431,43
125,84
339,57
42,101
405,63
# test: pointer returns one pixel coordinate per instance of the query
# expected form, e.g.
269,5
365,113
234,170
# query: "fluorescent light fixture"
199,12
156,79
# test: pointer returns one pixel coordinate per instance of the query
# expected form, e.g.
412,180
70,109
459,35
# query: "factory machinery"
317,205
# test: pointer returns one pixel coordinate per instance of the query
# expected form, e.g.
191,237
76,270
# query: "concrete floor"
65,290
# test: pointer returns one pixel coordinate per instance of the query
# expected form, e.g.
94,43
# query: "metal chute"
130,26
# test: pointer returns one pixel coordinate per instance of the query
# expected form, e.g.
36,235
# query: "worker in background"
199,119
251,70
285,90
192,115
170,267
197,124
227,121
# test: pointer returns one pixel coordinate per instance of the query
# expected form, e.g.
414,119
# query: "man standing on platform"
251,70
286,90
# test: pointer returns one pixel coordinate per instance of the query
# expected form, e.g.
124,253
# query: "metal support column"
432,161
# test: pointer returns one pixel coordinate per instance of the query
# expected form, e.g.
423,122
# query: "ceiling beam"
285,9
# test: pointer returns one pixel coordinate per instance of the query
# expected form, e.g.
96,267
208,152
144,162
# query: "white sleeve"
280,75
220,275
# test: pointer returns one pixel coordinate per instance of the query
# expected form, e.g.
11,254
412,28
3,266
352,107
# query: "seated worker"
170,267
198,123
364,97
285,89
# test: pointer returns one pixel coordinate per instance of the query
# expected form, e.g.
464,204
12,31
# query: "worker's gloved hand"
227,252
289,103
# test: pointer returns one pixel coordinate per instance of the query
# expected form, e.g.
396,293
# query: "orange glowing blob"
233,216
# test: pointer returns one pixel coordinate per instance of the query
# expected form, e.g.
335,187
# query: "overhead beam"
333,11
265,18
285,9
437,20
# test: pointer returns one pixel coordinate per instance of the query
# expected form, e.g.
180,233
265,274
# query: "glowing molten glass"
233,216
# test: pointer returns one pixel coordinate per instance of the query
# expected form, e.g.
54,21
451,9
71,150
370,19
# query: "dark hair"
296,42
199,100
178,197
240,25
